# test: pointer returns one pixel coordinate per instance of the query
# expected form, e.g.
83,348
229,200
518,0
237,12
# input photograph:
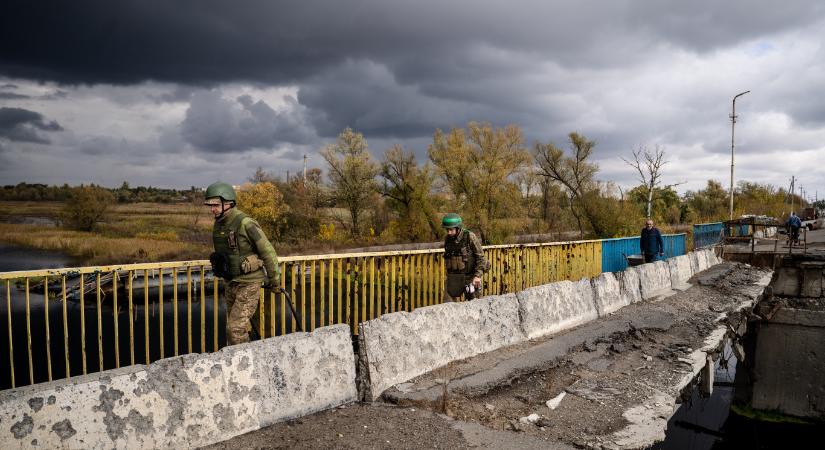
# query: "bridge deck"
621,376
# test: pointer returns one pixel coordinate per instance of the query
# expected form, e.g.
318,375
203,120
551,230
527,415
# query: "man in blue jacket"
651,242
794,223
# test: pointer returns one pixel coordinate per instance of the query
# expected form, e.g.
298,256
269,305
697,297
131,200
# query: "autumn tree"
478,165
709,204
262,176
265,203
86,206
665,203
760,199
352,175
306,199
529,181
648,164
407,189
577,176
194,208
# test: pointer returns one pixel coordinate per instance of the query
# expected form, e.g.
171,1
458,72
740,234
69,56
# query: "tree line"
501,186
122,194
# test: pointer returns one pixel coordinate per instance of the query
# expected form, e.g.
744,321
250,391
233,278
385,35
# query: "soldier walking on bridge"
464,260
243,257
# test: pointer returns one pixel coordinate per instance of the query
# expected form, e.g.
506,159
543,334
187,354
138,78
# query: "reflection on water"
708,423
21,258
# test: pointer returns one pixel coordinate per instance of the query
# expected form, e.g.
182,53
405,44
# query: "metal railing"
107,317
708,234
615,251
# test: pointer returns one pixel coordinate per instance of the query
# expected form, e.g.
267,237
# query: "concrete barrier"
680,271
631,291
699,261
607,294
554,307
710,256
187,401
654,279
400,346
702,260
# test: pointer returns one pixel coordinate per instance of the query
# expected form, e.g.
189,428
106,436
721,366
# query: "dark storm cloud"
18,124
213,41
220,125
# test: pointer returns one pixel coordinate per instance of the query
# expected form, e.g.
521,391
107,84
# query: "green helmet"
451,220
219,190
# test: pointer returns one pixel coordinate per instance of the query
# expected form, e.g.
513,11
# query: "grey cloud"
8,86
18,124
216,124
12,96
179,93
56,95
367,97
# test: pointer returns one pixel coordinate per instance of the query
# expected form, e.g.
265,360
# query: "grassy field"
140,232
154,232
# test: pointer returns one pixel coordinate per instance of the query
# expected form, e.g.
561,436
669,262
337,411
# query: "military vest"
458,256
227,242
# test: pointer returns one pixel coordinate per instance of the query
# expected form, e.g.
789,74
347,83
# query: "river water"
703,423
14,258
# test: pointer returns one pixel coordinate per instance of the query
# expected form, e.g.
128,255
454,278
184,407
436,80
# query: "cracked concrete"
186,401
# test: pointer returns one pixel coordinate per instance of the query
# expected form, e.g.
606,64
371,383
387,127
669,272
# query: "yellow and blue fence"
74,321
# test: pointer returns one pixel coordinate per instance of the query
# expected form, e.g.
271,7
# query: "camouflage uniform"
464,260
248,252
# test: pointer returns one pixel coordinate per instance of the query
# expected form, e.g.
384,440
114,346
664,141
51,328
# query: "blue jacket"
794,221
650,241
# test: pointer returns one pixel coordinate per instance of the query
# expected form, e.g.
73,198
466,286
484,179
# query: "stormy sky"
181,93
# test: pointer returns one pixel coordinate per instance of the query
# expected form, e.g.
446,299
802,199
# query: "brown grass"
140,232
94,249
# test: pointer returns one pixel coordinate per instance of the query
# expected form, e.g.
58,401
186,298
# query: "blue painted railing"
707,234
614,251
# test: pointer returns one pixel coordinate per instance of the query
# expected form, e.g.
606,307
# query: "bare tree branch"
649,166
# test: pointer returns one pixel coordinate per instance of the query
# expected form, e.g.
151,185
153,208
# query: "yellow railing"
173,308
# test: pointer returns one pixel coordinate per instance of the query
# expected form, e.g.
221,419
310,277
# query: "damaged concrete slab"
556,306
654,279
186,401
396,347
623,373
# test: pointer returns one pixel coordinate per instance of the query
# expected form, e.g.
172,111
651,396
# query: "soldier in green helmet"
464,260
243,257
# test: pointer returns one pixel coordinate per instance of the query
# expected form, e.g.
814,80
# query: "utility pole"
793,188
732,124
305,169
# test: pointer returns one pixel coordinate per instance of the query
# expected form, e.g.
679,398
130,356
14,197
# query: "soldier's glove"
271,283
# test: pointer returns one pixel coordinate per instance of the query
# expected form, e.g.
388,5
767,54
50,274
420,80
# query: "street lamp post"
732,124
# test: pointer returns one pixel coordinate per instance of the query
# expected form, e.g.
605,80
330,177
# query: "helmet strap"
224,209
